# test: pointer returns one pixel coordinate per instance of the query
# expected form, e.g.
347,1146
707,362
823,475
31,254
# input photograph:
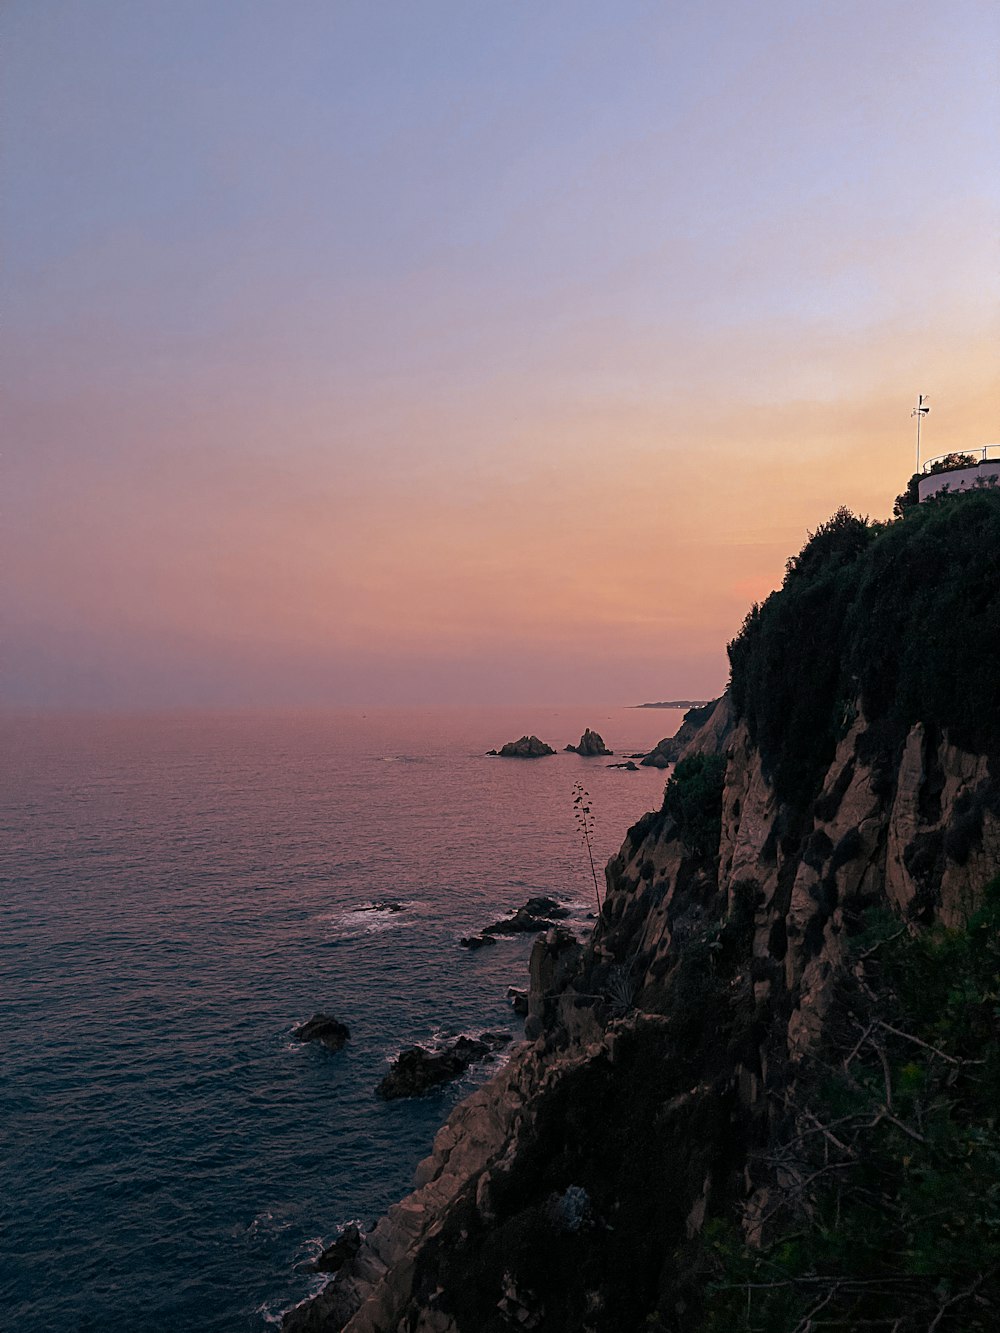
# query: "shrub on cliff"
886,1206
904,616
786,671
923,634
693,799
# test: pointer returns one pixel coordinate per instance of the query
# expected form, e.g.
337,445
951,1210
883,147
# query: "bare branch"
908,1036
888,940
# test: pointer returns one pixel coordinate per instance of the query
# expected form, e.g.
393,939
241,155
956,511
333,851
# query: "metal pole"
919,411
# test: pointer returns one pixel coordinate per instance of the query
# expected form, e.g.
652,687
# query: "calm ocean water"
177,893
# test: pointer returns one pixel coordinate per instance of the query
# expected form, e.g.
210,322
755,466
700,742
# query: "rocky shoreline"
792,976
622,1040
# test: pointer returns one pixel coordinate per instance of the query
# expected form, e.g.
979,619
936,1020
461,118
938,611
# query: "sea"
177,893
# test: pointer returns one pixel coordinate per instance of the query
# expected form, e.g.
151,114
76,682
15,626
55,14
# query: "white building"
985,471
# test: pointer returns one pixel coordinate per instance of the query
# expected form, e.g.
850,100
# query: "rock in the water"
521,923
341,1252
476,941
418,1070
628,766
528,747
663,755
591,743
328,1031
540,905
385,905
538,913
518,1000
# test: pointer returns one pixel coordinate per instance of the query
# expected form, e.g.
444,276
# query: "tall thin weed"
584,816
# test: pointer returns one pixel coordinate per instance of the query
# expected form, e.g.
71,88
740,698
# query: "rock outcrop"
528,747
418,1070
659,1041
328,1031
591,743
342,1251
709,722
536,914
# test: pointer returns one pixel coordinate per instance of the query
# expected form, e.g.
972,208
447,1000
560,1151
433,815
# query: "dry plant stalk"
584,817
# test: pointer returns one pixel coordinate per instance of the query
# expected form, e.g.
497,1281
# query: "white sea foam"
370,918
265,1224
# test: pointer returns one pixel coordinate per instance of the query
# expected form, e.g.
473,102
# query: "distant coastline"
675,703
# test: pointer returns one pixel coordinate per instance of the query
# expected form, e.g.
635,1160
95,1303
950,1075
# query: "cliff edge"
763,1095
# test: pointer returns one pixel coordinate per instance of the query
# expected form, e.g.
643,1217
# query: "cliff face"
652,1097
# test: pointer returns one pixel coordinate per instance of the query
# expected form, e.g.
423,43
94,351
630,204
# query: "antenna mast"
920,411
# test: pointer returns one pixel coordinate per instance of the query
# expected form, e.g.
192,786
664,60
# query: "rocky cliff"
659,1128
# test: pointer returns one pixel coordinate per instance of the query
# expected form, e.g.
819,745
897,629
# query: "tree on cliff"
859,619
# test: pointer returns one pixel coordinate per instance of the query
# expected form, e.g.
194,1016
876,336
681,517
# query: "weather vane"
920,411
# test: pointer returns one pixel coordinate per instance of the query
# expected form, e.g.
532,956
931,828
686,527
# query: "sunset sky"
434,351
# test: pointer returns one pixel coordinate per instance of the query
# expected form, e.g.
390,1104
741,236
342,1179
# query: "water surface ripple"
178,893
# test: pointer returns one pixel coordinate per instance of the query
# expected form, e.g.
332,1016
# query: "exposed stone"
591,743
418,1070
536,914
476,941
625,1092
706,726
528,747
341,1252
328,1031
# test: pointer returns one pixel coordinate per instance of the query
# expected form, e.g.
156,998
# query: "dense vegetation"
693,799
885,1208
902,618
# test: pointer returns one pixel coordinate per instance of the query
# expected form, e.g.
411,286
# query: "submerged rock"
328,1031
528,747
591,743
418,1070
384,905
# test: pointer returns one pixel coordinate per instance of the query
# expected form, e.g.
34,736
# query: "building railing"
983,453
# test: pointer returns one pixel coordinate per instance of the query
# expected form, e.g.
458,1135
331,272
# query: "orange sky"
551,459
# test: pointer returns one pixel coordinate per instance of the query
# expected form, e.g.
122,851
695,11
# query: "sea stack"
591,743
528,747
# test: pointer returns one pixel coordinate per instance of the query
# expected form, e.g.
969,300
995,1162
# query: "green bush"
904,616
887,1211
693,799
786,668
